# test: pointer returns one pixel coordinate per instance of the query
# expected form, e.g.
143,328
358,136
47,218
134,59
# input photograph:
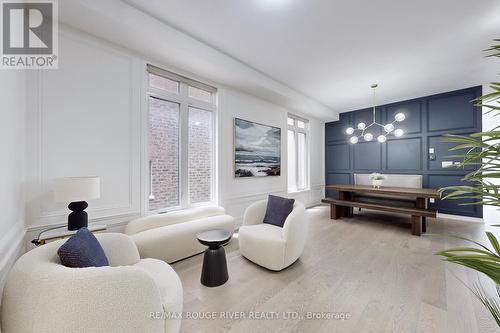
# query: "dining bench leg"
416,225
336,211
346,211
421,203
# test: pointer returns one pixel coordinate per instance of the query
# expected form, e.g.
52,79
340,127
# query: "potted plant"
377,179
483,151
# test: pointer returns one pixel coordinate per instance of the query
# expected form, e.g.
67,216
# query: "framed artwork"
257,149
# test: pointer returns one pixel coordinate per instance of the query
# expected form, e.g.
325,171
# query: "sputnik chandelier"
362,128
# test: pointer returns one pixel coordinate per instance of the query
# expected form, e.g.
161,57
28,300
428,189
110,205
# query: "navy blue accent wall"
427,119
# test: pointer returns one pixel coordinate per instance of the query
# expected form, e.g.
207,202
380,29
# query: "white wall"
237,193
13,86
84,119
89,116
491,214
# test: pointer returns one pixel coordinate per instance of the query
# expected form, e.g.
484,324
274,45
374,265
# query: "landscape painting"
257,149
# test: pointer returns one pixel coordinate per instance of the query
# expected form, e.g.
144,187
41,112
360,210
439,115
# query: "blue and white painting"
257,149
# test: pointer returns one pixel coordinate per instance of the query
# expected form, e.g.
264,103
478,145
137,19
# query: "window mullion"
184,146
297,171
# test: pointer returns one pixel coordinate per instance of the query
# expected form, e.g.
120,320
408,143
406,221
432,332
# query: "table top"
398,191
214,237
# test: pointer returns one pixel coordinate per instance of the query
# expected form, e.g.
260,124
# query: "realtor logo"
29,34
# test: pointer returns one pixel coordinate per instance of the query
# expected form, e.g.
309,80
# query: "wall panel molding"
48,140
428,119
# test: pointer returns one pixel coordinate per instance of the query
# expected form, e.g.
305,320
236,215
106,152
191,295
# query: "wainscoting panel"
85,124
367,156
404,154
442,150
341,149
337,178
427,120
336,129
452,206
452,111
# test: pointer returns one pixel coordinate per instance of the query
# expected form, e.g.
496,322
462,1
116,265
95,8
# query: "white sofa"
172,236
41,295
270,246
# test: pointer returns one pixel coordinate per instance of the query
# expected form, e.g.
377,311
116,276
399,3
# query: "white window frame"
296,129
185,102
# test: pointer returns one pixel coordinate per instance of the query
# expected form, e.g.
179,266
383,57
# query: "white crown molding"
124,25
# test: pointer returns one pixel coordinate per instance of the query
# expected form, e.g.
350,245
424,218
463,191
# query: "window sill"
299,191
180,208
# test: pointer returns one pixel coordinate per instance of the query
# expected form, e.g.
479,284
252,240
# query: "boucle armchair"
130,295
270,246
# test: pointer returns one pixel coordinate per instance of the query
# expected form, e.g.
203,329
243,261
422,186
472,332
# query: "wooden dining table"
405,200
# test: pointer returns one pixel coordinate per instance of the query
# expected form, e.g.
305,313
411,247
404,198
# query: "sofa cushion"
166,219
278,209
82,250
178,241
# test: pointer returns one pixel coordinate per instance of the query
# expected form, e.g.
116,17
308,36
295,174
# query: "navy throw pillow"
82,250
278,209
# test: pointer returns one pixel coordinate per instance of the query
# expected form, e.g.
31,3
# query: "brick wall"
200,155
164,151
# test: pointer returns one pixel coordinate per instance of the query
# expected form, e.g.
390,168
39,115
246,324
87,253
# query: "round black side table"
214,270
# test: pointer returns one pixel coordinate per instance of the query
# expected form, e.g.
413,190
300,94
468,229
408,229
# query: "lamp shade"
73,189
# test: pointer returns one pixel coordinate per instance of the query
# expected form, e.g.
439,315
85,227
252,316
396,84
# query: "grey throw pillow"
278,209
82,250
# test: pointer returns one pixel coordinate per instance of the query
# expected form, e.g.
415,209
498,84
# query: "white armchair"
270,246
130,295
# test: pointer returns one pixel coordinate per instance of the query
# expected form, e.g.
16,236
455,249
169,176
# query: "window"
200,94
200,155
163,83
181,141
163,153
298,155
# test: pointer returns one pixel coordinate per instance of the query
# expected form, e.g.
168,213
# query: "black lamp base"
78,218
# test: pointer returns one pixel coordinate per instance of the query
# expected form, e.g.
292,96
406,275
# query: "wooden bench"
339,208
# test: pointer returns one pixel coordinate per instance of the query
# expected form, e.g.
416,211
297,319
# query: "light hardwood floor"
369,266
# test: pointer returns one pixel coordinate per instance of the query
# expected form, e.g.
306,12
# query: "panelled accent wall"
427,119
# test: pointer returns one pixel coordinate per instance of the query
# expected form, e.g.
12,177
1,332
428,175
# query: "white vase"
377,183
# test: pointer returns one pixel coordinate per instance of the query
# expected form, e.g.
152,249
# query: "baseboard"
459,218
12,246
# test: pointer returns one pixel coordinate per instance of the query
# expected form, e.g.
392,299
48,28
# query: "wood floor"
368,266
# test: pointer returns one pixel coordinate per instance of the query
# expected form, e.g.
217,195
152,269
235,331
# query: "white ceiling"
332,50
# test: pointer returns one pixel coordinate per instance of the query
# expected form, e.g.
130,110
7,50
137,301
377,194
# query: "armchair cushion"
278,209
82,250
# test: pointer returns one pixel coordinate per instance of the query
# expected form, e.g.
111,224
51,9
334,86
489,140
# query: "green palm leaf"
481,150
